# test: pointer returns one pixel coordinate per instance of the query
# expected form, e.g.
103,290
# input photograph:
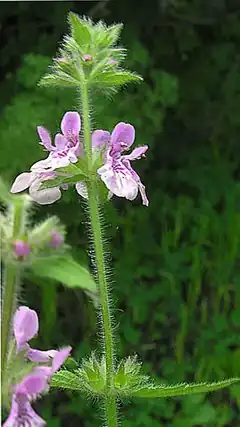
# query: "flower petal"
123,136
60,142
33,384
40,356
45,138
46,196
60,358
82,189
22,182
137,153
22,414
99,138
119,182
25,325
42,165
71,123
145,200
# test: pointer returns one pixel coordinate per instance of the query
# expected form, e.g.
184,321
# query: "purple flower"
65,150
57,239
66,146
22,413
21,248
25,327
117,172
87,57
33,180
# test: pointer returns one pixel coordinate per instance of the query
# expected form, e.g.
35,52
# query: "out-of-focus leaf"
67,271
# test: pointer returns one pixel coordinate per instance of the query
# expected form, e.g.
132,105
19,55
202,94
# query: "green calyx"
16,369
90,54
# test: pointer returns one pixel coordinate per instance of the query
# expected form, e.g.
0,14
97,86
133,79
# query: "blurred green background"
176,264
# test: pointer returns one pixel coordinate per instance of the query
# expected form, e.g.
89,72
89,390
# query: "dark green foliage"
177,274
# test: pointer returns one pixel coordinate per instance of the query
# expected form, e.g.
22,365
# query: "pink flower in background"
56,239
117,172
25,327
87,58
21,248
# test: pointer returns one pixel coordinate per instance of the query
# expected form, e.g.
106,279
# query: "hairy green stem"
94,209
11,280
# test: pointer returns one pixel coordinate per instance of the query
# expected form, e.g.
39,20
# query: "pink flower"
87,58
66,146
117,172
33,181
22,413
57,239
66,150
25,327
21,249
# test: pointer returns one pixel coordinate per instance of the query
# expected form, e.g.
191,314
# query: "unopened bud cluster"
92,377
43,240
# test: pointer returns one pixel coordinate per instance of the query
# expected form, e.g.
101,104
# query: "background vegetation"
177,278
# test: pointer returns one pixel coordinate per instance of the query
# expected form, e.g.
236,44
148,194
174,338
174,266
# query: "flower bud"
61,59
112,61
57,239
87,58
21,248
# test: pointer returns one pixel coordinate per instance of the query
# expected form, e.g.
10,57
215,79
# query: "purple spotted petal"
119,181
25,325
46,196
136,177
99,138
45,138
123,136
22,182
137,153
60,358
71,123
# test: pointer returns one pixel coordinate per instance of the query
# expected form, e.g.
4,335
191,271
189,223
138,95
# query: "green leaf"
113,33
182,389
107,36
80,29
61,180
75,168
67,380
5,195
58,79
65,270
116,78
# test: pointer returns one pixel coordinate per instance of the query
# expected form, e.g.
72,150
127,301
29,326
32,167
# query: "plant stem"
11,279
94,209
